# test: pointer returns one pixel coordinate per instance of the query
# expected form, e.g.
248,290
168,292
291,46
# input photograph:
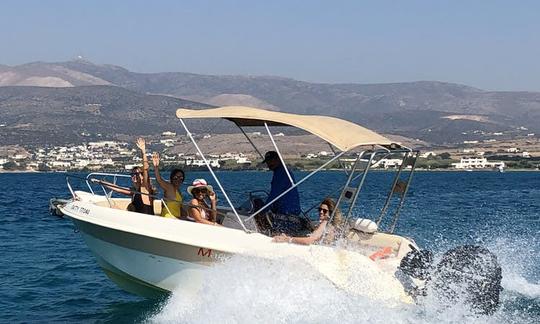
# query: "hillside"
432,111
32,115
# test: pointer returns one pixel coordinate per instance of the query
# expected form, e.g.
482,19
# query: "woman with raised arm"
141,187
199,211
326,208
146,185
172,197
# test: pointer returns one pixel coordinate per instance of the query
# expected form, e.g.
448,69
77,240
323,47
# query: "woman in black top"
141,190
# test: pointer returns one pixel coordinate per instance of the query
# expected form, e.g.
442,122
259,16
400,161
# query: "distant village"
109,155
104,155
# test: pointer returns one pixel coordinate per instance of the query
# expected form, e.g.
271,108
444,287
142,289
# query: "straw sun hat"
199,184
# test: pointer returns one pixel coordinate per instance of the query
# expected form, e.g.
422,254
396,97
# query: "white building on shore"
200,163
387,163
477,163
242,160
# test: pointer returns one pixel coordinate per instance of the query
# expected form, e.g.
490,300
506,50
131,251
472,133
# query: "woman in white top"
199,211
326,208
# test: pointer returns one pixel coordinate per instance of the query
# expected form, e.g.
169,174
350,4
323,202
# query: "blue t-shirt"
288,204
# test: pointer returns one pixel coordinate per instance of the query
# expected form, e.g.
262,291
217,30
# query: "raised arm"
213,205
141,144
165,185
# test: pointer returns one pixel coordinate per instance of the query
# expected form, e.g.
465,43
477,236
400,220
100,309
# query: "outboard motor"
471,274
417,264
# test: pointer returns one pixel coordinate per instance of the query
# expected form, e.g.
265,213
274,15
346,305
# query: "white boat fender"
365,225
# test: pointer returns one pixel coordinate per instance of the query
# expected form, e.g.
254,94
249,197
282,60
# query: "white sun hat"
199,184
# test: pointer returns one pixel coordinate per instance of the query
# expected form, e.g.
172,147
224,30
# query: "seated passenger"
141,190
326,208
199,211
172,197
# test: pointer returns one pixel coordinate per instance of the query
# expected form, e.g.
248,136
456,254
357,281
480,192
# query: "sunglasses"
135,173
325,211
196,191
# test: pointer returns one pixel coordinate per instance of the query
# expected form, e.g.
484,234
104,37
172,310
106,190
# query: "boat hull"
150,256
146,266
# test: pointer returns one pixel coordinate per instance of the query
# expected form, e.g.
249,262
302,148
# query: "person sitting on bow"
326,208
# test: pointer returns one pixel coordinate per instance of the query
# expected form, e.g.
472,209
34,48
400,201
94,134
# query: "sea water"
49,275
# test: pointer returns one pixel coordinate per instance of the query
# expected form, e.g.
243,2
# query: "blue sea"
49,275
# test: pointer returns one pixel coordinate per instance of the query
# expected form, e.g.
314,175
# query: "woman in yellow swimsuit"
173,198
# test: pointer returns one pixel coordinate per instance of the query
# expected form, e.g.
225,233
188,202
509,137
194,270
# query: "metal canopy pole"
349,179
340,162
331,193
213,174
396,215
341,188
251,142
279,153
351,206
356,176
391,193
294,186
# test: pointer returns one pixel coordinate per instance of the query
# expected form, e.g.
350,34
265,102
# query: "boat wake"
239,290
519,259
519,285
269,291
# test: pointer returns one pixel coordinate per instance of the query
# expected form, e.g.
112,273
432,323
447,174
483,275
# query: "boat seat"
122,203
117,203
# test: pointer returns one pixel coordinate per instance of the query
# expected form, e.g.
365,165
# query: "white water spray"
246,290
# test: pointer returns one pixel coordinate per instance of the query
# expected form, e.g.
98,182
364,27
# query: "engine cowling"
470,274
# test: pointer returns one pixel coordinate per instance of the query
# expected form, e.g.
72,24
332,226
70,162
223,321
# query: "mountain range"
60,101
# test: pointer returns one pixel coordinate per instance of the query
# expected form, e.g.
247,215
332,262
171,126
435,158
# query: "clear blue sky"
493,45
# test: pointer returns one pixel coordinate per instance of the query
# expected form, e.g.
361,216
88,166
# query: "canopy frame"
386,147
342,134
207,163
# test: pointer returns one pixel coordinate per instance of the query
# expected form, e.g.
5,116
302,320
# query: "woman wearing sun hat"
199,211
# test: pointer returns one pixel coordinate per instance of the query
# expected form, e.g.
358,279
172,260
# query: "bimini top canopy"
343,134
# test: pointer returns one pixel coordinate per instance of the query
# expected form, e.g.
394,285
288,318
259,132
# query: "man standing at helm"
289,204
283,214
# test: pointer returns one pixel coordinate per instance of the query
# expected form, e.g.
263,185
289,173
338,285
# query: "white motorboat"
149,255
